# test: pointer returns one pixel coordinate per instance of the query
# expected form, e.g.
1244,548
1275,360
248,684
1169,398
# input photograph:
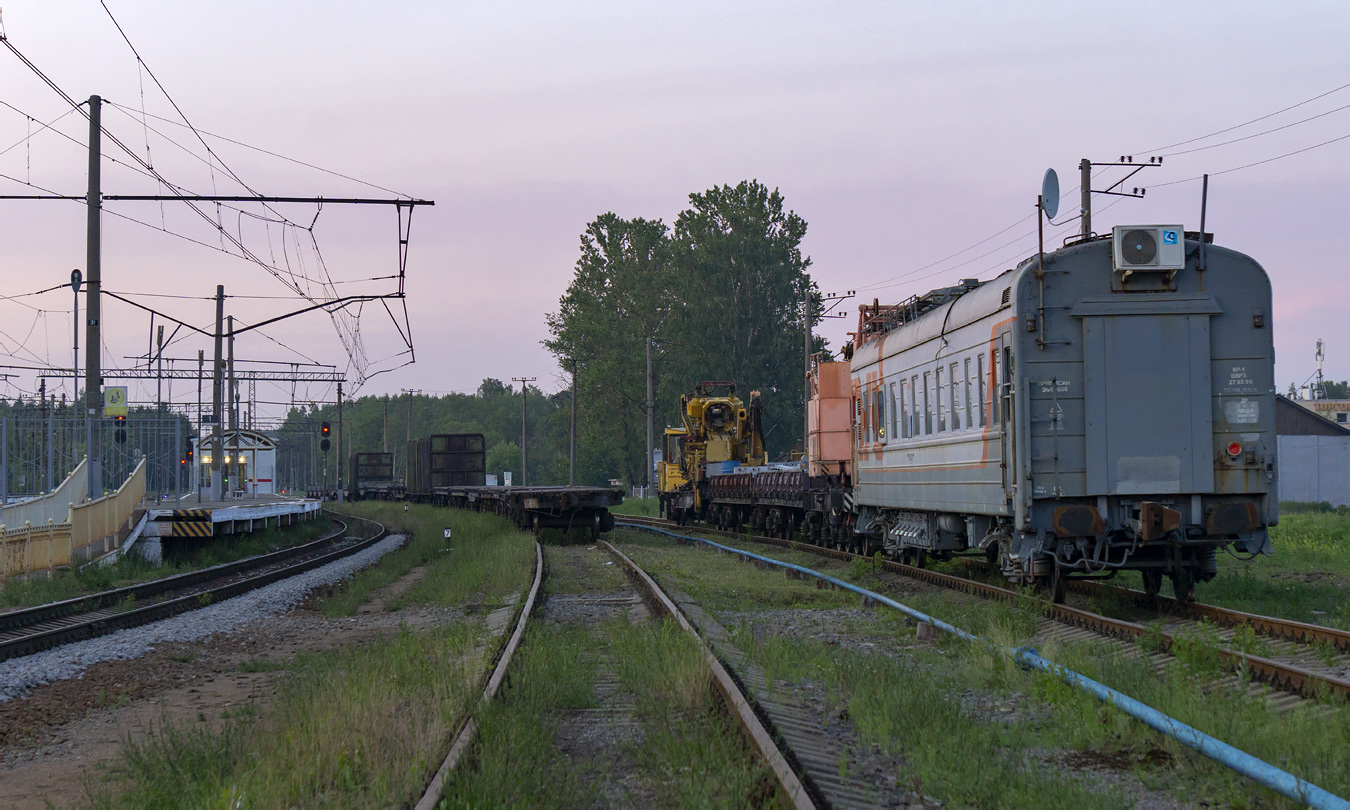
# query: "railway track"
1292,665
746,714
30,630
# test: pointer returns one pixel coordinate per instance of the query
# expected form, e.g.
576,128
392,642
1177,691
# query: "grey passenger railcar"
1113,410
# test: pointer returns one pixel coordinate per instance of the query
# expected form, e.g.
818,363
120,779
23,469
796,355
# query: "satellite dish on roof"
1050,194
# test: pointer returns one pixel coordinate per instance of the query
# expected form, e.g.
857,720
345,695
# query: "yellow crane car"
720,431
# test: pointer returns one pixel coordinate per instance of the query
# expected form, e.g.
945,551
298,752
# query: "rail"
34,629
435,791
1282,782
1283,676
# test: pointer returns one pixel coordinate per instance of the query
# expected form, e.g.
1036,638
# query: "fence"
94,527
54,507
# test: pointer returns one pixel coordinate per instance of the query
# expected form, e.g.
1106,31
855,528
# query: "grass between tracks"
688,753
484,560
356,726
640,507
1050,743
132,569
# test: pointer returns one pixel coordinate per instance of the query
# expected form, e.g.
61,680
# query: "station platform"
230,516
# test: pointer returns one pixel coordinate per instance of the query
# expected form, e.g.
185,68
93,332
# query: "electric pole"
651,426
218,400
196,476
93,383
407,462
806,386
572,443
339,446
1085,195
524,452
386,423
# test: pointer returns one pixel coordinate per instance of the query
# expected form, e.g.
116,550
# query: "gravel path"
18,675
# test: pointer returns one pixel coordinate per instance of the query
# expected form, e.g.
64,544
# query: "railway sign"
115,400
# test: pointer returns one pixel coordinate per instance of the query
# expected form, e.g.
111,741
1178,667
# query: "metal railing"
93,527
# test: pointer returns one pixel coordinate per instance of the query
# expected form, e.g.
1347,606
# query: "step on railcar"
1112,409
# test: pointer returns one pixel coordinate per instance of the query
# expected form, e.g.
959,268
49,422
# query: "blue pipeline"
1282,782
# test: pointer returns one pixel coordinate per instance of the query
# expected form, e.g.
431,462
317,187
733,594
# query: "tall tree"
623,293
738,254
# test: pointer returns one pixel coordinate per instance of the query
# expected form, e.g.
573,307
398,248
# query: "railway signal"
120,435
324,430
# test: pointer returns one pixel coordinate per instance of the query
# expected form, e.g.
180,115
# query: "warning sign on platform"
115,400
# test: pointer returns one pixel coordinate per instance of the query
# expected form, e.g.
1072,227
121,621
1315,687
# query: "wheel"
920,558
1153,578
1058,582
1183,585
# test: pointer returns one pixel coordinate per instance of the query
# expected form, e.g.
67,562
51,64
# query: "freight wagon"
372,478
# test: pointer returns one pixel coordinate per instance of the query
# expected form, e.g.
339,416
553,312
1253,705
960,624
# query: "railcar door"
1149,421
1003,414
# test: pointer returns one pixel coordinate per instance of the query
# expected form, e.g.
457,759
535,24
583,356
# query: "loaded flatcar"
1110,409
449,469
372,478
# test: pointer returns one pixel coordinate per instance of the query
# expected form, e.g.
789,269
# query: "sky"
912,138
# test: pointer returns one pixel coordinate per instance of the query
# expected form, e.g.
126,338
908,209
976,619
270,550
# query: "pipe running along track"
1282,782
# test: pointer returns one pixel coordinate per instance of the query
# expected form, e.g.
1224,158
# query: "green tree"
738,254
623,293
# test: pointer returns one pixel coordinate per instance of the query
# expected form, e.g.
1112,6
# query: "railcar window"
927,406
980,386
890,411
880,412
941,400
913,406
904,410
970,405
958,404
867,416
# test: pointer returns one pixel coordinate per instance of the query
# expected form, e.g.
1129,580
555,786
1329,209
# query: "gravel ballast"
18,675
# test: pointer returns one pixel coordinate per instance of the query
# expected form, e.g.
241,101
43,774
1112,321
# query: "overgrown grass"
357,726
132,569
912,703
485,559
353,727
516,762
1304,578
726,583
641,507
691,747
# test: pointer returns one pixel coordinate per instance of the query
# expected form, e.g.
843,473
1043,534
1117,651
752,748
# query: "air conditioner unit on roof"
1148,249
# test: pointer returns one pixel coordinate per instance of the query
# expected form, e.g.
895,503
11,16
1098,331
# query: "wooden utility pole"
407,462
524,435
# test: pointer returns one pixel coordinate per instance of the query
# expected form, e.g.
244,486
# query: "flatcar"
449,469
372,478
1108,408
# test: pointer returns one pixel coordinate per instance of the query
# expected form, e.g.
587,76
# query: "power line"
1157,149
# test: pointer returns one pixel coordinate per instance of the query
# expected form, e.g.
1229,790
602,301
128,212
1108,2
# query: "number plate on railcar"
531,503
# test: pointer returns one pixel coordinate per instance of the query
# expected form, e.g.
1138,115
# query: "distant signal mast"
1319,392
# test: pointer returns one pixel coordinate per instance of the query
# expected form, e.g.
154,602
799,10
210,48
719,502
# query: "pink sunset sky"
902,132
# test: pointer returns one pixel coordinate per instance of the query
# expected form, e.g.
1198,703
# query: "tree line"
721,296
